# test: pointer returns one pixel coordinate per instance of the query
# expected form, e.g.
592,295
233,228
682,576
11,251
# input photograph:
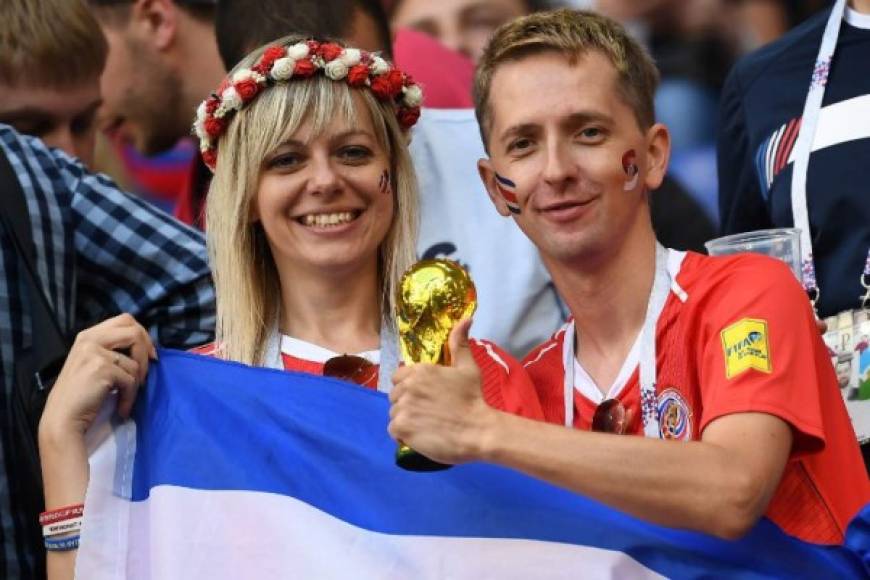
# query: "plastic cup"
783,244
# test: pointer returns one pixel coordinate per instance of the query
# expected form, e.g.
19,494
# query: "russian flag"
227,471
508,190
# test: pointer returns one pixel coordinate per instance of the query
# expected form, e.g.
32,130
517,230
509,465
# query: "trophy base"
410,460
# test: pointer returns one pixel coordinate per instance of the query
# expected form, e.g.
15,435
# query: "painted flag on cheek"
227,471
508,191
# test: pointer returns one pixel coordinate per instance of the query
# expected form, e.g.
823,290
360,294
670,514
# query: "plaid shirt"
99,252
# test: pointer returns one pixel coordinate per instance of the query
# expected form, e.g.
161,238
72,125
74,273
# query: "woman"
311,222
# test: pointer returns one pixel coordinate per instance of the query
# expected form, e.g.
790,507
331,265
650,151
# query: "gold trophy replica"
433,296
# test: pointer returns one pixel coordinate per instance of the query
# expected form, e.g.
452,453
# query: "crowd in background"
125,106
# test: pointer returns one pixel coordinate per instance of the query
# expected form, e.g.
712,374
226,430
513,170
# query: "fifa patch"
746,346
675,419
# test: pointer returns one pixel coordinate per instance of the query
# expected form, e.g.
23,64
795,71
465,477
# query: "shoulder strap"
49,343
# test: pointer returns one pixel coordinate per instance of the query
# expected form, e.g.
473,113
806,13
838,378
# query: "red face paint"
384,183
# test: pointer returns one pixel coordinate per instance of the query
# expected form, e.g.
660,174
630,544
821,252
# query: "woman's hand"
112,355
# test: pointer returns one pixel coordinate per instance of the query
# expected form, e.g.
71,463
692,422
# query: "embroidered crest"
675,419
745,345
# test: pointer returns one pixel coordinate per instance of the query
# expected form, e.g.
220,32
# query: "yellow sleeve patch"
746,347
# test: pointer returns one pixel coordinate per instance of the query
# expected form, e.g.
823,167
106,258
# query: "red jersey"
506,385
737,334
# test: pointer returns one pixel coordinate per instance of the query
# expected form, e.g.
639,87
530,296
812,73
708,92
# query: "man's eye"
520,144
591,133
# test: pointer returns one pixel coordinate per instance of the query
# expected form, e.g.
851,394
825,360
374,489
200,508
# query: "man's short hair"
572,33
243,25
54,44
116,12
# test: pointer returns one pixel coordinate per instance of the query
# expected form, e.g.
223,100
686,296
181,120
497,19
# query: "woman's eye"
284,160
354,153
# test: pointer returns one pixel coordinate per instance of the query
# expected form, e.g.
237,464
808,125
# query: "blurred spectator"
243,25
772,169
163,60
464,26
95,252
445,75
51,55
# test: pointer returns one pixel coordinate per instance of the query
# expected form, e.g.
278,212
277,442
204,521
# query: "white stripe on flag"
287,538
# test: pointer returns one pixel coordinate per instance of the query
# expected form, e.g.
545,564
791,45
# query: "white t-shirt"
517,304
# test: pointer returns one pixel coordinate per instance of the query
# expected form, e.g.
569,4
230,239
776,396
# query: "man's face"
63,118
141,94
461,25
568,158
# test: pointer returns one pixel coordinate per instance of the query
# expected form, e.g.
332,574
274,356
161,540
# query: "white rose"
200,112
204,144
336,70
230,99
413,95
379,66
242,74
350,57
297,51
199,130
283,69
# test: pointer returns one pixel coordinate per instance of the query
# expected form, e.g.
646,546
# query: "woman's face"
326,201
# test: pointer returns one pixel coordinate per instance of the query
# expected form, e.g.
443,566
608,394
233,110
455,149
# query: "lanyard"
389,361
647,374
803,148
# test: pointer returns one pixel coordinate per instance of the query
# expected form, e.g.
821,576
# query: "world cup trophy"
433,296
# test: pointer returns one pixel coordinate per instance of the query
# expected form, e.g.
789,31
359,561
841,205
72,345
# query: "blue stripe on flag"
208,424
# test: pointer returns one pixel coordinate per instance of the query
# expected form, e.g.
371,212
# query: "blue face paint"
507,189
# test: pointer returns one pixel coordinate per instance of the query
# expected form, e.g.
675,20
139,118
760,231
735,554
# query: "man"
162,61
51,55
720,353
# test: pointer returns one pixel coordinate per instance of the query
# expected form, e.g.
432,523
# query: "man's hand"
439,411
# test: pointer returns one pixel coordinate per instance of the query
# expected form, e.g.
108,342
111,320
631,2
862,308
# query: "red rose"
209,157
313,46
408,116
247,89
272,54
387,85
304,68
357,75
214,127
212,104
329,51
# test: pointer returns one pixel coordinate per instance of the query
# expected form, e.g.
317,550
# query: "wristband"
62,545
60,514
62,527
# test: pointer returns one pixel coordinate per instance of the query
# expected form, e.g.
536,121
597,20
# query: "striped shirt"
99,252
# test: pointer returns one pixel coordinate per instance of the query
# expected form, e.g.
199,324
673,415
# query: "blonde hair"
572,33
245,275
56,44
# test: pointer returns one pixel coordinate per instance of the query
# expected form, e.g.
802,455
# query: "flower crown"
280,64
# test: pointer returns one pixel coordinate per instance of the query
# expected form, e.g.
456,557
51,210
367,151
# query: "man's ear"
156,21
487,176
658,154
